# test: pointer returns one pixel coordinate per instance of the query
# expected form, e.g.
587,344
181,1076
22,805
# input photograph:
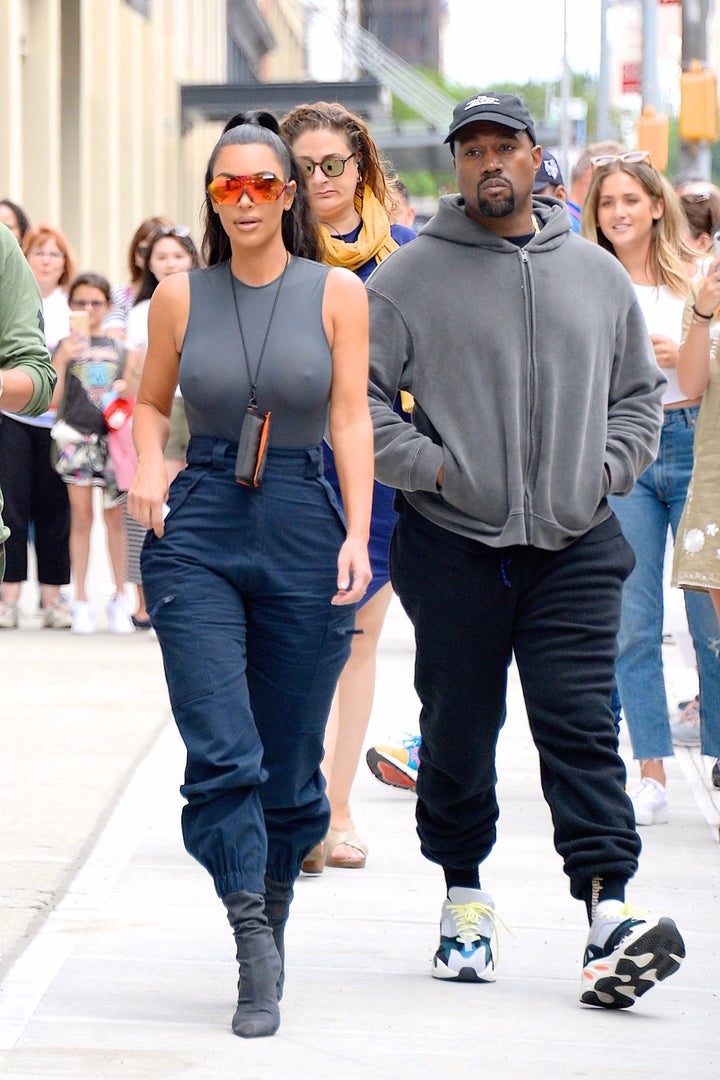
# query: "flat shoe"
314,861
337,837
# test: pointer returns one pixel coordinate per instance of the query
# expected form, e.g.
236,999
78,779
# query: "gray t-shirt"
296,371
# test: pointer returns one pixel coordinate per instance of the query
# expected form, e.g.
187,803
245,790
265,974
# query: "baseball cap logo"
551,168
481,99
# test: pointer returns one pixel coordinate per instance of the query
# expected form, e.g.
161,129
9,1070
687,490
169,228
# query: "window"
141,6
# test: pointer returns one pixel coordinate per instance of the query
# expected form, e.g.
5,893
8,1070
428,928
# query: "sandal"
314,861
337,838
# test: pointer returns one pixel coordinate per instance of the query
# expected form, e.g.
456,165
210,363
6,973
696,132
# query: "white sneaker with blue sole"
467,925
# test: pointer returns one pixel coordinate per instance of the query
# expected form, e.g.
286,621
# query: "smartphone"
80,321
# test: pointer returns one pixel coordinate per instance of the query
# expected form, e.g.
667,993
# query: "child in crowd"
90,378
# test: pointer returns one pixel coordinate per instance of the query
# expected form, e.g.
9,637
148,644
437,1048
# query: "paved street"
118,961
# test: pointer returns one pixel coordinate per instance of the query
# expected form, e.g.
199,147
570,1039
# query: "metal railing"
410,86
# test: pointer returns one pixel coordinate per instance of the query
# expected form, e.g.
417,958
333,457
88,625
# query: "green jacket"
22,337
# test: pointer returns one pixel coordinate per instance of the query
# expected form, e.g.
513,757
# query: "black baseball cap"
548,175
505,109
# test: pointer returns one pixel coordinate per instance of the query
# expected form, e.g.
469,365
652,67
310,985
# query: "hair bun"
259,118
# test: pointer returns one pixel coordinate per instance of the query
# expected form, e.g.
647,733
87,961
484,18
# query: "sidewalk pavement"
119,963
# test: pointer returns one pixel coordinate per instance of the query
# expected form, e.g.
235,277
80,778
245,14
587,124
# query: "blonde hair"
667,251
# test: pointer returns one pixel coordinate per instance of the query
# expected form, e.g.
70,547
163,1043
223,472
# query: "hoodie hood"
453,224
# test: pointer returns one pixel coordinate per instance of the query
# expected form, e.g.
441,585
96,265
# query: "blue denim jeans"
656,502
239,591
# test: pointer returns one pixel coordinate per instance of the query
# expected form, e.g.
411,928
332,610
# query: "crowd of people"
511,470
49,464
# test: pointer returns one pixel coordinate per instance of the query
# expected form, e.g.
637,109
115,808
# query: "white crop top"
663,311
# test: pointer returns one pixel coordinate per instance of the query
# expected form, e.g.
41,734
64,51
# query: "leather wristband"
700,314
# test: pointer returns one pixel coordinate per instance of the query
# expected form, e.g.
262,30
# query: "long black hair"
299,224
23,221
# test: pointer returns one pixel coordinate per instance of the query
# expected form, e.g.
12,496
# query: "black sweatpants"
33,492
472,607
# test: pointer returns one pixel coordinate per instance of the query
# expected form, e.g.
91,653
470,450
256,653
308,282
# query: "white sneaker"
650,803
467,925
627,953
685,729
58,615
82,618
8,615
119,616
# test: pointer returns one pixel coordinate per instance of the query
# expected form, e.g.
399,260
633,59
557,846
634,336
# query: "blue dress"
383,516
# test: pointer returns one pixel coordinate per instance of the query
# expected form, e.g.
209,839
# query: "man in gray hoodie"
536,395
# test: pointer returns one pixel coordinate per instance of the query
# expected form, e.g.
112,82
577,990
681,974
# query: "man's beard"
496,208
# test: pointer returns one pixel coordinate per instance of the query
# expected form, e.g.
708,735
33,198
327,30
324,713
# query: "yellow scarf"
374,239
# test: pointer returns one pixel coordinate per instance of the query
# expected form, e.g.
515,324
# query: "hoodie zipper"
530,387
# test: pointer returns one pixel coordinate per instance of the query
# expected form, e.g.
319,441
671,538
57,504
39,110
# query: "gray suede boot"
257,1010
278,897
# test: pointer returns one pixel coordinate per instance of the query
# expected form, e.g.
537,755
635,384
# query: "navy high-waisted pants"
239,592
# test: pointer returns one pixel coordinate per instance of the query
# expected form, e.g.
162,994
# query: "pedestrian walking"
532,403
632,211
91,380
27,377
696,563
349,192
36,502
251,576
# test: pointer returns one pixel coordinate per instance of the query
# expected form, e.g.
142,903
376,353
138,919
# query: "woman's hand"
708,297
666,350
354,574
68,349
148,494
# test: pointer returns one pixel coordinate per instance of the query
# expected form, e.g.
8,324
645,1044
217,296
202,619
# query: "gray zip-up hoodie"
531,370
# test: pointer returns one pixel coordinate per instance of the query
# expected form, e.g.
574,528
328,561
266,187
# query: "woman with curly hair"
351,196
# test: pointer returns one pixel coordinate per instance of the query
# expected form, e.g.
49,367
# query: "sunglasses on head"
260,187
331,166
633,157
179,231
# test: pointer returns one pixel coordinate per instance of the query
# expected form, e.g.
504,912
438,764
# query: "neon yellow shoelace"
467,918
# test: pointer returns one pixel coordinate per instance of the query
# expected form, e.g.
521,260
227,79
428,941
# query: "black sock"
605,887
464,879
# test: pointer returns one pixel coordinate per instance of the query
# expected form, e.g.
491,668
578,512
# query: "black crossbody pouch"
252,447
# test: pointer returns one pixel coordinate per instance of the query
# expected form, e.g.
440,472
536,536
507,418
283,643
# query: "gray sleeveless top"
296,372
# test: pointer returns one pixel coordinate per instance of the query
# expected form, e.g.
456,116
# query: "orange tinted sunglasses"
261,187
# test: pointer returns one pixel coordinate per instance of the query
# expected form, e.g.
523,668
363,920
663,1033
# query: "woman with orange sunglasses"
251,574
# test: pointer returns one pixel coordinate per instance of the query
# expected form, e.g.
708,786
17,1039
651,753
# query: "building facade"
410,28
92,138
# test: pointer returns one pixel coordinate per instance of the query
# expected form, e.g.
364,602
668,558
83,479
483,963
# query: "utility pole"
565,101
695,157
604,130
649,79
